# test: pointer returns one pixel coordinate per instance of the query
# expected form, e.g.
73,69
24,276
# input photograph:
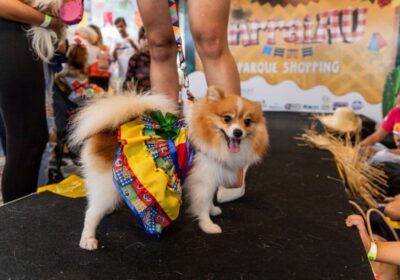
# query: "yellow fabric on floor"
394,224
73,187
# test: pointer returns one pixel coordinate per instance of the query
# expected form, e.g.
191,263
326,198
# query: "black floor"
289,225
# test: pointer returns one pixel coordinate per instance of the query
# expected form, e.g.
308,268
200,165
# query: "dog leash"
173,11
181,56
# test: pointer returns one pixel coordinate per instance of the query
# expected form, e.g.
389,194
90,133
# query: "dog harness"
150,166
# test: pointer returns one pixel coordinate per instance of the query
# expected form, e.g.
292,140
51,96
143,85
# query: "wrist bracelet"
46,21
373,252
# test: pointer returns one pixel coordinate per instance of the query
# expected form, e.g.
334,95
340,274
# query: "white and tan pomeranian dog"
228,133
45,40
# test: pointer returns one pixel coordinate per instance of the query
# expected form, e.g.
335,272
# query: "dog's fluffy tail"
108,113
43,42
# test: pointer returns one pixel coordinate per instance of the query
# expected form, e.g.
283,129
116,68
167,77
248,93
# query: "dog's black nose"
237,133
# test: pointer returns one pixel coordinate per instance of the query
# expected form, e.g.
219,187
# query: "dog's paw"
88,243
215,211
210,228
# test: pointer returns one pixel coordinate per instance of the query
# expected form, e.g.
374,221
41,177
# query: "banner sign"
314,56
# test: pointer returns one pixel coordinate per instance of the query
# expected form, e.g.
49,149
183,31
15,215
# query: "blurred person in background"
124,48
390,124
99,73
138,74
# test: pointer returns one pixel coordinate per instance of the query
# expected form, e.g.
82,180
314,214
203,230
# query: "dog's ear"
214,93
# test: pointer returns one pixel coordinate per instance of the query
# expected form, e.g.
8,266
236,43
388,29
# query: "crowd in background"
83,67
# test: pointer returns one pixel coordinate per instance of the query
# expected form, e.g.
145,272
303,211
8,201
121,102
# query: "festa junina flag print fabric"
149,168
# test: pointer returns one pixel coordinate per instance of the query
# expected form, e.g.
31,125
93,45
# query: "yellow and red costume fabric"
150,166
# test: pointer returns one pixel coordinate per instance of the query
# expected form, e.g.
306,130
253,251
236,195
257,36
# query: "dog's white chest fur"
207,174
212,172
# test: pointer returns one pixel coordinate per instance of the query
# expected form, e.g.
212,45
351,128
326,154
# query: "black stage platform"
289,225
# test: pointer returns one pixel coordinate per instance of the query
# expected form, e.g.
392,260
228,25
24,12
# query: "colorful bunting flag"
395,3
376,43
107,18
307,52
373,44
292,53
279,52
383,3
267,50
381,42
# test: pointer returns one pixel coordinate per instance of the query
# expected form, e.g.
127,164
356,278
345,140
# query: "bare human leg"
208,21
157,23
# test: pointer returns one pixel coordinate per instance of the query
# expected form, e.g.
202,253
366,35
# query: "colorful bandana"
150,166
80,89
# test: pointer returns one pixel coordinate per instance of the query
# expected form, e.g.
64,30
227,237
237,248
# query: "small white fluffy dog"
45,40
228,132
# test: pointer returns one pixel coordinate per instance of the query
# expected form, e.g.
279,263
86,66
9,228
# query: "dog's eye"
227,119
247,122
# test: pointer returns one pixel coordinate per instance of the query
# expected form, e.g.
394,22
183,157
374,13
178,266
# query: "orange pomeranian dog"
228,133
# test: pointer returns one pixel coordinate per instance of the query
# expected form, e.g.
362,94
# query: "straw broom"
362,179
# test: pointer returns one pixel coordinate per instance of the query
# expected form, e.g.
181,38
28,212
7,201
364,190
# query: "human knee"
162,47
210,43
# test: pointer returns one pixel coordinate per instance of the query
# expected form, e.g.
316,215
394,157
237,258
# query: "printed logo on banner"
292,106
357,105
264,104
275,106
340,104
326,99
247,91
326,103
310,107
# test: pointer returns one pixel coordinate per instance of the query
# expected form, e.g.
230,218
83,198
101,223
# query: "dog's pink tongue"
234,145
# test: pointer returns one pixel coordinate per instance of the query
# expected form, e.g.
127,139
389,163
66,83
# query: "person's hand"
55,23
392,208
133,44
368,151
395,151
115,52
358,222
62,47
